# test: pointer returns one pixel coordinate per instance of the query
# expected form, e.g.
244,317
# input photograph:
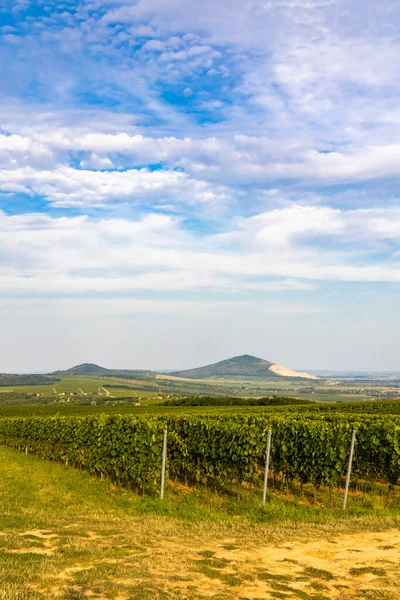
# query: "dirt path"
341,567
352,566
345,567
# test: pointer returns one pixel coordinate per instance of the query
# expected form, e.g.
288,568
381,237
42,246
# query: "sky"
182,181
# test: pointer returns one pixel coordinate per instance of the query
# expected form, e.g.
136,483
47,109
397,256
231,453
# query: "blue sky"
185,181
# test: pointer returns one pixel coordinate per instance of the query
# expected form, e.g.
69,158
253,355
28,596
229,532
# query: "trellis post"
346,490
267,454
164,461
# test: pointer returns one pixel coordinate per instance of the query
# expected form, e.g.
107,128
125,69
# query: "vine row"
226,449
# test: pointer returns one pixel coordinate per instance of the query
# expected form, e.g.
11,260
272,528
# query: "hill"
83,369
92,370
238,366
7,379
242,366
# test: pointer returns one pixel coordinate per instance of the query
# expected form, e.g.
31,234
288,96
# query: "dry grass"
66,535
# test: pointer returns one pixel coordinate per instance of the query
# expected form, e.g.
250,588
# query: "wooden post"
266,467
346,491
164,460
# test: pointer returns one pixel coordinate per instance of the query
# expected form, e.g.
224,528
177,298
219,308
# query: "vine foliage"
228,448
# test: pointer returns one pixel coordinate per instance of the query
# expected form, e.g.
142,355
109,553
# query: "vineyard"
209,449
373,407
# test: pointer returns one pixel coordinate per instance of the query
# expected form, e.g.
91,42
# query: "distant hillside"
8,379
92,370
242,366
83,369
238,366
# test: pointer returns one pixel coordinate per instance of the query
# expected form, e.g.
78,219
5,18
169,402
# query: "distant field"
76,385
85,389
78,390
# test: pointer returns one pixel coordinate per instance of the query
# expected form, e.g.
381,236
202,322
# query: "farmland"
102,390
81,515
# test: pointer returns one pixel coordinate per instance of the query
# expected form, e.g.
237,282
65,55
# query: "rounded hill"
241,366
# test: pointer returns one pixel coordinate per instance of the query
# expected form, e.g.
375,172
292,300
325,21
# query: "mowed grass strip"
67,535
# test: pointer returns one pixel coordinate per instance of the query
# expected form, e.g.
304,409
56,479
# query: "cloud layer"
225,153
282,250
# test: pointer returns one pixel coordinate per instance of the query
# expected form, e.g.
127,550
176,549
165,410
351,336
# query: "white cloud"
234,160
153,45
283,250
65,186
311,93
228,21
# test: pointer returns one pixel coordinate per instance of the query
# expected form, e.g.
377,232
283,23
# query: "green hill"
242,366
7,379
238,366
83,369
92,370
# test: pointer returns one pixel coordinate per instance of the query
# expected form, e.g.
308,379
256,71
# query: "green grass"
362,570
65,534
318,573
